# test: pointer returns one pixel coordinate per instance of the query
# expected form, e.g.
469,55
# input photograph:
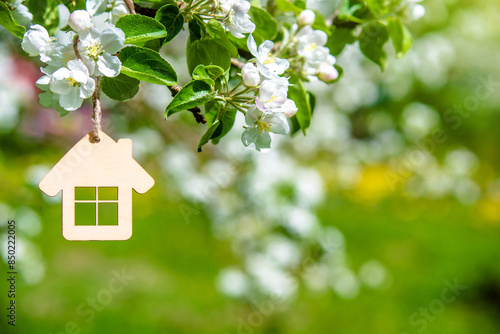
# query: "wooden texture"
104,164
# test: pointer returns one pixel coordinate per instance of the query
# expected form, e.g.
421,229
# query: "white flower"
96,6
36,41
306,17
237,19
80,21
73,84
260,124
272,94
311,44
64,14
98,48
22,15
251,75
267,64
288,108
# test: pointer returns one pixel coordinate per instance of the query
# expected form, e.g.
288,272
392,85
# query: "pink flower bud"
306,17
80,21
327,72
251,75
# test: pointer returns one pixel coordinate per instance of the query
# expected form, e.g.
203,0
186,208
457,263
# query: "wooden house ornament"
96,180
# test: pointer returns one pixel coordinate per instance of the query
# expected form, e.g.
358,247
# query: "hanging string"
96,101
96,110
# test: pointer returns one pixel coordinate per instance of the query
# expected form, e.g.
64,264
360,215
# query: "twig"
130,6
195,111
237,63
75,47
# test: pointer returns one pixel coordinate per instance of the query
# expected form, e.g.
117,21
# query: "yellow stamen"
270,59
71,82
263,126
95,50
311,47
274,97
66,58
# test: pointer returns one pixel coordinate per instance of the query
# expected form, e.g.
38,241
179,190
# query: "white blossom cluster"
272,106
70,74
318,63
237,20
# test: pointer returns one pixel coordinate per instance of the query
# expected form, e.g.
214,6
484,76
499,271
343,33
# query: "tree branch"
237,63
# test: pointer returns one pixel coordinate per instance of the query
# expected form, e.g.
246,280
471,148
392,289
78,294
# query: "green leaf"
339,38
207,52
372,40
266,27
208,135
170,16
45,13
218,33
193,94
382,7
227,122
320,23
200,73
214,71
301,4
287,6
146,65
120,88
197,29
212,109
400,35
140,28
300,95
7,20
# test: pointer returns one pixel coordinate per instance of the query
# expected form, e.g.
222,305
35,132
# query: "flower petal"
87,89
71,100
108,65
112,39
252,46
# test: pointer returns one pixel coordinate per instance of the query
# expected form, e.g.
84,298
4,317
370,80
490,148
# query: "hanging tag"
96,180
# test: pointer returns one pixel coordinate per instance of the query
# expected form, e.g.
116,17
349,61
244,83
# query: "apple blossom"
36,41
73,84
97,51
256,134
272,94
267,64
237,19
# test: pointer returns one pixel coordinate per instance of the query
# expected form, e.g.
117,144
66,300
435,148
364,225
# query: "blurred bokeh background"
383,219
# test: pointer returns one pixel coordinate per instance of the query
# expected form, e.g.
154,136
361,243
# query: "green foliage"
139,28
45,13
9,23
193,94
299,94
146,65
197,29
339,38
207,52
218,33
207,73
372,40
287,6
226,124
400,36
170,16
320,23
120,88
382,7
266,27
209,134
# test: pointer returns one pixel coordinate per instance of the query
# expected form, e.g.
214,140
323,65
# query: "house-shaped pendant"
96,180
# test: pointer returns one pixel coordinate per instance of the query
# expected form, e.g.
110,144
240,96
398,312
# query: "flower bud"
418,11
306,17
327,72
35,40
80,21
251,75
289,108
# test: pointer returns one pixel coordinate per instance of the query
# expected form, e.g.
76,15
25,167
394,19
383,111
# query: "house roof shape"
103,164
